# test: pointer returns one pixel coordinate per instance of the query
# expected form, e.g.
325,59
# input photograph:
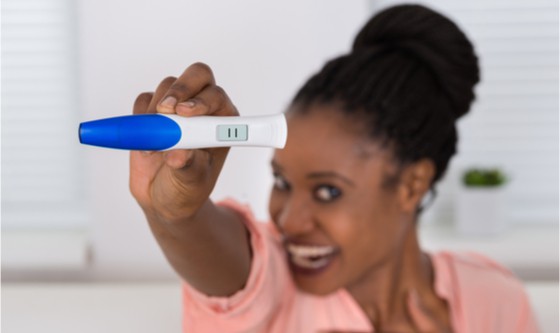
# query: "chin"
319,280
315,286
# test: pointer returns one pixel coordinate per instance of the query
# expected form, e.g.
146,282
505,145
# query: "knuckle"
143,98
179,89
202,67
220,96
168,81
220,92
142,102
165,84
223,101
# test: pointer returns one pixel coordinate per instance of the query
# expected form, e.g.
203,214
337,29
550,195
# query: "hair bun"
433,39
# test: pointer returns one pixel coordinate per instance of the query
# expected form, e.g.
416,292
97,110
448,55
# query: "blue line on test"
138,132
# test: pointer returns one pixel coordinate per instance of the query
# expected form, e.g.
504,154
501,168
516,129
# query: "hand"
422,320
173,185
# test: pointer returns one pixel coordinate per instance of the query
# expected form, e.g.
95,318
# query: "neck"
382,292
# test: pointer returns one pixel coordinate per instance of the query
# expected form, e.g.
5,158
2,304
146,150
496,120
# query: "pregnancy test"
167,132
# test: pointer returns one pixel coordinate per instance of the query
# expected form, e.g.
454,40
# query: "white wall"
260,51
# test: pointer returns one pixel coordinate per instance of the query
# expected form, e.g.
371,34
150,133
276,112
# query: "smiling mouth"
310,258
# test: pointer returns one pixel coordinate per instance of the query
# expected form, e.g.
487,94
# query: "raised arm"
208,246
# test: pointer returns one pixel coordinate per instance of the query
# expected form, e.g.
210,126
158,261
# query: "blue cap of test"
132,132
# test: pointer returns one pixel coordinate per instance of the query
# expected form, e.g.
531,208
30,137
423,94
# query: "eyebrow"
330,174
319,174
275,165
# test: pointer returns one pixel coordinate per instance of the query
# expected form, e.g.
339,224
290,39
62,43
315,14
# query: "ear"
415,181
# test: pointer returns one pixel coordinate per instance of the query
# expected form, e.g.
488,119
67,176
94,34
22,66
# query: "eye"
280,183
327,193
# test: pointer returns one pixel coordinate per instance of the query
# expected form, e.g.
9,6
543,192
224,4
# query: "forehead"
323,137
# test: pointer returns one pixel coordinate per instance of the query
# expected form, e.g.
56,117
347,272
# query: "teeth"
310,251
307,263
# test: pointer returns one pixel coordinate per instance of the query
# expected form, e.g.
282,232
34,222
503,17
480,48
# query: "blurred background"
77,253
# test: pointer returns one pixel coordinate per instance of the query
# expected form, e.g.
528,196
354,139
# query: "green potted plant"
480,202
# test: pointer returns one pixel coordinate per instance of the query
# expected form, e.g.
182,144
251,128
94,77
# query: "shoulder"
260,228
266,241
468,265
254,306
481,292
475,273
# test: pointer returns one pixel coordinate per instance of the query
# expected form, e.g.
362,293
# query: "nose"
296,218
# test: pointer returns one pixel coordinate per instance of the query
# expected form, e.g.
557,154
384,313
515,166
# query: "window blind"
514,122
41,178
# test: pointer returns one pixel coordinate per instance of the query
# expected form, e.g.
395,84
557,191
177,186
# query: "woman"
369,136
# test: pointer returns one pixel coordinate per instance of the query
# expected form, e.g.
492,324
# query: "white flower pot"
480,210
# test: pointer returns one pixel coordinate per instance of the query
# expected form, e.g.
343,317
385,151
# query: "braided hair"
409,76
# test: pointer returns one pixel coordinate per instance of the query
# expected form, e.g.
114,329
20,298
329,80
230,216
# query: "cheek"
275,206
350,230
365,226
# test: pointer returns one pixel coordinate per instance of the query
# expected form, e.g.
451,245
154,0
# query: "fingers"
142,102
146,103
161,91
197,161
178,159
191,94
212,100
193,80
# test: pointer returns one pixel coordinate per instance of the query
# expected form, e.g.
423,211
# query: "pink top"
483,296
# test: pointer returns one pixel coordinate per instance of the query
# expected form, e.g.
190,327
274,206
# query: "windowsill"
44,250
531,252
149,307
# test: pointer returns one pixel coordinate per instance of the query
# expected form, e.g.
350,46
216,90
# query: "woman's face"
329,201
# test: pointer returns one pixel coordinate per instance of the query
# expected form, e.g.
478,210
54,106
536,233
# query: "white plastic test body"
167,132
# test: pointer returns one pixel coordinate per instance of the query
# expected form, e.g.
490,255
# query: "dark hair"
409,76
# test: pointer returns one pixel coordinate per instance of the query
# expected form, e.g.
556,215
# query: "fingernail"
190,103
169,101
